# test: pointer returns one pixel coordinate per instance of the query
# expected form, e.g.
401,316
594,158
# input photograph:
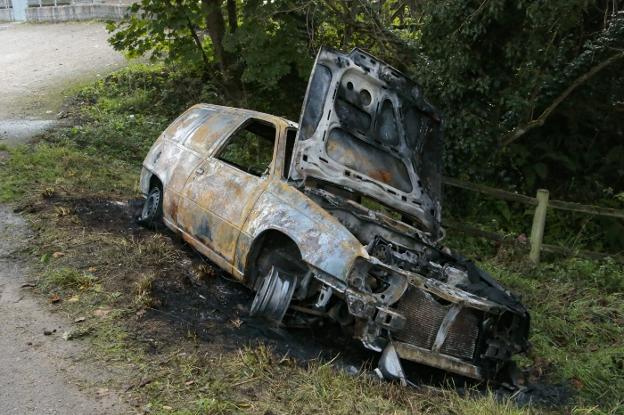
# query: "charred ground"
173,297
187,294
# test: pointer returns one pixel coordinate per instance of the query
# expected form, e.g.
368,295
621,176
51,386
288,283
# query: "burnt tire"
152,212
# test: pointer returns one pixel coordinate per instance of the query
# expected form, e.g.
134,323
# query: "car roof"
243,114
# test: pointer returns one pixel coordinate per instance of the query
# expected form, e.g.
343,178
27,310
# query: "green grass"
67,278
577,312
48,167
576,305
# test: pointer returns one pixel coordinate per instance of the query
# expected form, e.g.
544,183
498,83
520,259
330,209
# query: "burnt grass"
195,306
211,308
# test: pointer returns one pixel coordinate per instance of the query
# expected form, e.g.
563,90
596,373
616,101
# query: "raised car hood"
366,127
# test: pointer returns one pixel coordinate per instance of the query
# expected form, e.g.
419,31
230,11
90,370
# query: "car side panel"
216,203
170,161
324,242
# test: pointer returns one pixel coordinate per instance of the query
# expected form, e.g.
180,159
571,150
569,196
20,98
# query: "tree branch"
199,45
521,130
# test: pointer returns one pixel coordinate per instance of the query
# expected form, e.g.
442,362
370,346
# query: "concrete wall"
6,15
76,12
72,12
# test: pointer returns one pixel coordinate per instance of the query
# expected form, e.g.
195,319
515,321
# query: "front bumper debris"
435,324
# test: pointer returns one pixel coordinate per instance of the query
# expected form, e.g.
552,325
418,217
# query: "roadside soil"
39,61
40,373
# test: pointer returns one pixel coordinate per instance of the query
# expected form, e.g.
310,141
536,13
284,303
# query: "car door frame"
275,168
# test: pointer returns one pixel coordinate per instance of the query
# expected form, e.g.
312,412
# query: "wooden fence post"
539,220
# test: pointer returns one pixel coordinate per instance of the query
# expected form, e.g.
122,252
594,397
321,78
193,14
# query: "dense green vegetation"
576,305
531,91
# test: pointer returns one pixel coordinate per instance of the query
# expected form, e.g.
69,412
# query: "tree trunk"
199,45
215,22
215,26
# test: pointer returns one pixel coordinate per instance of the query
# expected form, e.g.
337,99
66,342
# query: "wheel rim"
273,297
150,207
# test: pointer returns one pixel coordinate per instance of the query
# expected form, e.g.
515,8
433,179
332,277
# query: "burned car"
337,217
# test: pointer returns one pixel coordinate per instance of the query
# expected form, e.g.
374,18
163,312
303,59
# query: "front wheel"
152,212
273,296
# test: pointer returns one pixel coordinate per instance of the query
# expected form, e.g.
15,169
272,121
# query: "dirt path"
39,373
37,62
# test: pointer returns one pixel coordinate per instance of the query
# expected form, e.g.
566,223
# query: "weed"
38,169
578,329
143,291
67,278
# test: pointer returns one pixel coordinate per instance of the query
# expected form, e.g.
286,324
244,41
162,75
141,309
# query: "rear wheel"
152,212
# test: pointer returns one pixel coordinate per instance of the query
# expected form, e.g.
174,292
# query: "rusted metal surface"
379,271
366,126
450,363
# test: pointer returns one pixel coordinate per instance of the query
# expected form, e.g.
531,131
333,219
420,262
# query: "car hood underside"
366,127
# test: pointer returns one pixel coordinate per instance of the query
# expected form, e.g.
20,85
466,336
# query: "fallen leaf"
28,285
55,298
73,299
578,385
102,391
80,319
167,408
237,322
91,269
62,211
189,383
58,254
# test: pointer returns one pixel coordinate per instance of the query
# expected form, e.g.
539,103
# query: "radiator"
424,315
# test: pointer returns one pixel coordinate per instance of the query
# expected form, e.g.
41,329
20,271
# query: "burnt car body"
337,217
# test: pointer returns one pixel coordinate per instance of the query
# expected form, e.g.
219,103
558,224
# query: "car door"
184,145
219,194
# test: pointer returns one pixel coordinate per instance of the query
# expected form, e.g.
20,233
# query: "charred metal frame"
302,238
